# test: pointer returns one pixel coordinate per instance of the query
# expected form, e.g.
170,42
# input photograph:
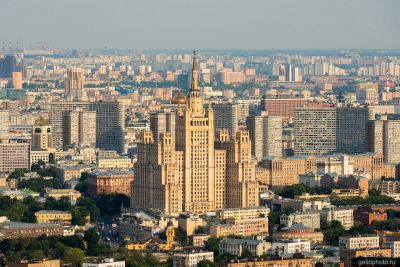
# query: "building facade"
110,181
192,172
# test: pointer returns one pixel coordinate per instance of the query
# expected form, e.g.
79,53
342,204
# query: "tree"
212,244
110,204
38,165
74,256
92,238
205,263
246,253
35,255
181,236
18,173
332,231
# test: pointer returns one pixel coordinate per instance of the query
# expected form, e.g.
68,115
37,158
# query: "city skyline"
178,24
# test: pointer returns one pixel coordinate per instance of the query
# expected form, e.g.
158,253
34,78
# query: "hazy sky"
202,24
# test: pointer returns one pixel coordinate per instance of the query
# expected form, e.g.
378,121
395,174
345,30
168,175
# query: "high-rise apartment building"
315,130
327,130
352,130
226,116
17,79
74,84
266,135
391,141
79,127
162,122
110,123
384,137
189,174
242,189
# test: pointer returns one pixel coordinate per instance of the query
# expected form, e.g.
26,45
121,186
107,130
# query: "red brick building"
110,181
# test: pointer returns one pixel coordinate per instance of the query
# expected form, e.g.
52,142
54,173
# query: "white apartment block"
359,242
309,219
242,213
290,247
191,259
395,247
343,215
106,263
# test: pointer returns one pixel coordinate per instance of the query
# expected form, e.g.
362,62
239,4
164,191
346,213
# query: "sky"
202,24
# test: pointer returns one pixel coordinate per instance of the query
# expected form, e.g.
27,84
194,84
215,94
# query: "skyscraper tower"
195,137
189,173
74,84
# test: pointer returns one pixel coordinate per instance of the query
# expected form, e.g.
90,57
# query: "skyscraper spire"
194,86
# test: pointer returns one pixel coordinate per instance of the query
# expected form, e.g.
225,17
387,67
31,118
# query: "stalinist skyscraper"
189,174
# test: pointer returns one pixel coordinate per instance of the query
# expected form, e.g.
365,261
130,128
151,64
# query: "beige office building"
190,174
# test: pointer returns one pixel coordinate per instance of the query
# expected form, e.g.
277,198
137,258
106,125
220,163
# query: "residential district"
137,158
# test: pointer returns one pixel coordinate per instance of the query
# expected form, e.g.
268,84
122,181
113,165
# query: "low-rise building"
248,227
54,216
298,231
394,245
110,181
385,186
242,213
199,240
36,263
346,255
72,194
238,246
343,215
359,242
308,218
10,229
190,222
108,262
367,217
116,162
191,259
308,262
290,247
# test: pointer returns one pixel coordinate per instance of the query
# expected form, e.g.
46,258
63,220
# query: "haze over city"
207,24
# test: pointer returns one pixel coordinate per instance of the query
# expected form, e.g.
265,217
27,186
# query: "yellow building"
115,162
189,173
42,263
155,241
274,263
286,171
244,227
346,255
72,194
242,213
373,164
54,216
